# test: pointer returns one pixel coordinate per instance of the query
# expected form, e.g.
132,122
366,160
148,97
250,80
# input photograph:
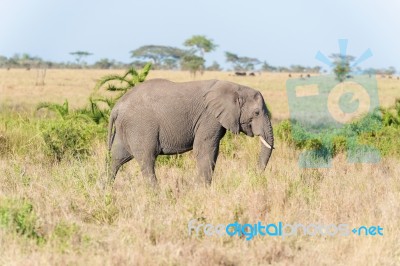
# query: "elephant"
161,117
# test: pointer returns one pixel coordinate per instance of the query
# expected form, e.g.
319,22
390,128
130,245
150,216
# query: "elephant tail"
111,131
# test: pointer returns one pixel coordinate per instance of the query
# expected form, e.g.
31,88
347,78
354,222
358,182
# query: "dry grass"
18,89
131,224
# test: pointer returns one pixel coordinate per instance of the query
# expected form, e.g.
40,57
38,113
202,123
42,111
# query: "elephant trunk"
267,143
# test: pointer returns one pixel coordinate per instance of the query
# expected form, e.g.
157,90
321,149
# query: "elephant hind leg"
145,147
119,156
116,164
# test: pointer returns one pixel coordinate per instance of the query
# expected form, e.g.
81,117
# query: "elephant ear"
222,101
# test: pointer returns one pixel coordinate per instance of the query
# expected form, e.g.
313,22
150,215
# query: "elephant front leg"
147,164
148,172
206,154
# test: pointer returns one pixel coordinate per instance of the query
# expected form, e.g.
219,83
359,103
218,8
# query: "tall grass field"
54,211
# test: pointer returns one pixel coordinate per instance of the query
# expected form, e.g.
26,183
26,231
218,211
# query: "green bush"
379,129
229,145
17,216
283,131
386,140
339,144
391,116
313,144
69,137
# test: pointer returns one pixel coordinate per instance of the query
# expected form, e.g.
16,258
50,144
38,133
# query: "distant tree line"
162,57
291,69
343,68
190,58
381,71
27,61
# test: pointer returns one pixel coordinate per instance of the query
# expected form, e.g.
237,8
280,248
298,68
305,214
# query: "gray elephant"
160,117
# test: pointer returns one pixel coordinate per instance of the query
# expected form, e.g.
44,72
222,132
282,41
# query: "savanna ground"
55,212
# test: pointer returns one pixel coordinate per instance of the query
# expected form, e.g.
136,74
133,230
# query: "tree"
193,63
231,57
169,63
14,60
201,44
214,67
241,63
390,71
297,68
79,55
104,63
341,65
25,60
370,71
283,69
161,56
267,67
3,61
138,64
316,69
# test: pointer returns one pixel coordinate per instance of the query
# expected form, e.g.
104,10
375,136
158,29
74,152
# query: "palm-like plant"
61,109
127,81
94,112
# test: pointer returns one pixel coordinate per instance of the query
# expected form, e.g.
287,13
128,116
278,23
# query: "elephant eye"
257,113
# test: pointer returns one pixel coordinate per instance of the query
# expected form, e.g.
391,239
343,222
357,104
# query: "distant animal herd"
347,76
303,76
238,73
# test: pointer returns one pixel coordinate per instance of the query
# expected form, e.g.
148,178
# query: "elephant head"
242,109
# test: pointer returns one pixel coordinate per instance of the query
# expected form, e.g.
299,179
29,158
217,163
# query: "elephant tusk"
265,143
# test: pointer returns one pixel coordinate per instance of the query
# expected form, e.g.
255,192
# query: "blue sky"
281,32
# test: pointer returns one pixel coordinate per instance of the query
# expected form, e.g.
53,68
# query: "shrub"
339,144
230,144
379,129
386,140
391,116
283,131
17,216
69,137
